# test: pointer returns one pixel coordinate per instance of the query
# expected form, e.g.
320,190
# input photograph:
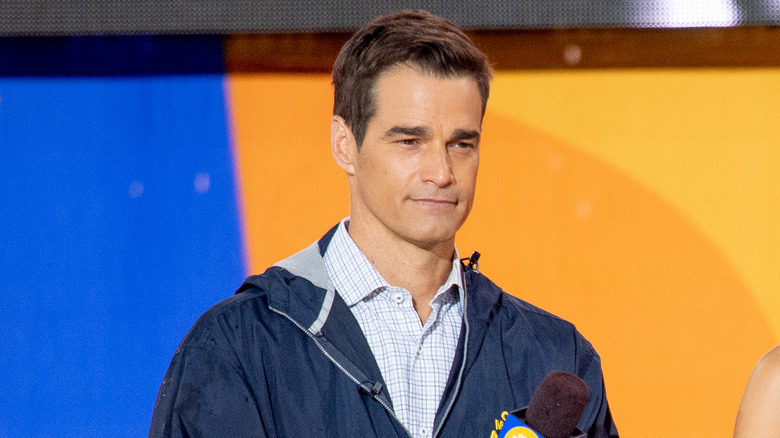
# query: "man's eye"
408,141
463,145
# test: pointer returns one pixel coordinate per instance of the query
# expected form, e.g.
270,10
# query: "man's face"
414,176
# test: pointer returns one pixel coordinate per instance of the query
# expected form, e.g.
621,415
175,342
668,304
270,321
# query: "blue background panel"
120,226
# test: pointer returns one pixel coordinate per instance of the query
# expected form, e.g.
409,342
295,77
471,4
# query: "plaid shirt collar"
356,279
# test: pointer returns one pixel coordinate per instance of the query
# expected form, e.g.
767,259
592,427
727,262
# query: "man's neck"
420,270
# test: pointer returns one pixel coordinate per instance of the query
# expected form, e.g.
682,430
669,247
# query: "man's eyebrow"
422,131
465,134
408,131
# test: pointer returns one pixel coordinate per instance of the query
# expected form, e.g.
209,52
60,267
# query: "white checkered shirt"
414,358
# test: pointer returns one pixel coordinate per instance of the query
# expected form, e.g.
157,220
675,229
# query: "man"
378,329
757,414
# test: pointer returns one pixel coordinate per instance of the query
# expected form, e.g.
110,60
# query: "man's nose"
436,166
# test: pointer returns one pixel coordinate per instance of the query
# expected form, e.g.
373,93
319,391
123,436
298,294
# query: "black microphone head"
557,405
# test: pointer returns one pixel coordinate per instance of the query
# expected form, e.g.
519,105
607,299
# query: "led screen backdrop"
140,186
101,17
119,222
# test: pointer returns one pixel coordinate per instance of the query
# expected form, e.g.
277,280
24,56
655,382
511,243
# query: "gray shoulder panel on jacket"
308,263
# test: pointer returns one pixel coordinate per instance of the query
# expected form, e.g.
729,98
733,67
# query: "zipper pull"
369,388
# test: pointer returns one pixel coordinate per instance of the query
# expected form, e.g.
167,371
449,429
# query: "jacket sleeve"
589,368
603,427
203,395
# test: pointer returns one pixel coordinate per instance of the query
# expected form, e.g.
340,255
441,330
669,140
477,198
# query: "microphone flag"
514,427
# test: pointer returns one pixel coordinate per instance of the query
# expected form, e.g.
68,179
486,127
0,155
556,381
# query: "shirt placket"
421,374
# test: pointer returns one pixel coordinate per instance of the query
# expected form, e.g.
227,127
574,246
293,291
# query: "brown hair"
428,42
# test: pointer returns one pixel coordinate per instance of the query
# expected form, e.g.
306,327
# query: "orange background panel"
291,190
676,325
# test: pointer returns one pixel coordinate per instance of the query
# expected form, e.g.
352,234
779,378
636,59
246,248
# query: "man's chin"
433,237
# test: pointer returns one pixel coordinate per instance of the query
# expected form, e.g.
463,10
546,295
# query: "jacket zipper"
347,373
462,365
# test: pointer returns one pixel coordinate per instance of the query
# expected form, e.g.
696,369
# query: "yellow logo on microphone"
521,432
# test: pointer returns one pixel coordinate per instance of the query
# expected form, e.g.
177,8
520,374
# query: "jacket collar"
311,306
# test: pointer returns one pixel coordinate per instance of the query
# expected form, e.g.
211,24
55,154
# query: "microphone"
553,412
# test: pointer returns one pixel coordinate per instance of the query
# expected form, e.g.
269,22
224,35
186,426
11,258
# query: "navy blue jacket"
286,358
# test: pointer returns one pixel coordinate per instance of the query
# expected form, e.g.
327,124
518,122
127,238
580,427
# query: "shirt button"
424,431
398,297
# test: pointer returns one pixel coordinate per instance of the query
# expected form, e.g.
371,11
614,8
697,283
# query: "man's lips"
436,202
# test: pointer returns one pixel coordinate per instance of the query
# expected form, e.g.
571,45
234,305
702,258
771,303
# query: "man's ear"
343,145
